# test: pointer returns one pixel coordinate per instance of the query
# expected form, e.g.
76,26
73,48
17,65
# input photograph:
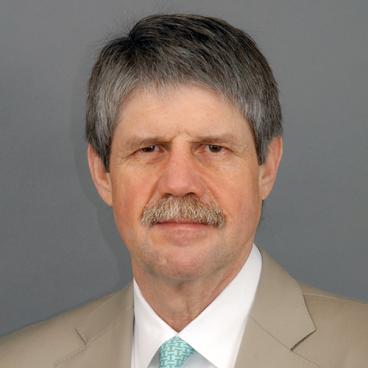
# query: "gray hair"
170,49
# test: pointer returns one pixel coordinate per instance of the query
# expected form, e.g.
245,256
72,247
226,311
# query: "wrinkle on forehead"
164,91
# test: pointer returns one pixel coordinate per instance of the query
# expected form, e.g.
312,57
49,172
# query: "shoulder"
42,343
323,328
341,327
329,308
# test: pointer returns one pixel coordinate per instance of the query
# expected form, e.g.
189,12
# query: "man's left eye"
215,148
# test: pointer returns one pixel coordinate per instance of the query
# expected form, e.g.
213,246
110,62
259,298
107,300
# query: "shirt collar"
150,331
205,333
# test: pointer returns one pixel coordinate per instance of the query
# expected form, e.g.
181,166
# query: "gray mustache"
187,208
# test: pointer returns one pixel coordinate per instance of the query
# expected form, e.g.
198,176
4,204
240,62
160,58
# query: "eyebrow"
218,138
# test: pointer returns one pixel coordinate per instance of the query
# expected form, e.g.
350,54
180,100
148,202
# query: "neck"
180,302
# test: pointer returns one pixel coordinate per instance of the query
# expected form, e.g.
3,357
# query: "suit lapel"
260,349
278,321
106,334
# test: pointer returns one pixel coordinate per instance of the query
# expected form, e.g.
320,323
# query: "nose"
180,175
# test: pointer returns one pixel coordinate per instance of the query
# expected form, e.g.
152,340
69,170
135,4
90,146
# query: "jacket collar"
116,307
106,334
278,321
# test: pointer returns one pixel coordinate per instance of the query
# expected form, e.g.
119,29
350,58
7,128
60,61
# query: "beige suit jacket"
290,326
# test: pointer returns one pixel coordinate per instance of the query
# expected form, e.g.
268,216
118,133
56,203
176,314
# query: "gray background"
59,247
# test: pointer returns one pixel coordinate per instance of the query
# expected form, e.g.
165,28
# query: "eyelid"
148,146
220,145
158,147
215,144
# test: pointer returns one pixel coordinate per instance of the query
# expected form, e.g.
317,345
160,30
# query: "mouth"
181,222
181,232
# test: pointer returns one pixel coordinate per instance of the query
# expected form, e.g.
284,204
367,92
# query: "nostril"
179,184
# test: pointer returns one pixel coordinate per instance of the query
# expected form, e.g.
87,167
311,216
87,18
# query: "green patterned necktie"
174,352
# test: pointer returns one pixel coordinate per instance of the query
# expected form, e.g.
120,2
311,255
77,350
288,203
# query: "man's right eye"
148,149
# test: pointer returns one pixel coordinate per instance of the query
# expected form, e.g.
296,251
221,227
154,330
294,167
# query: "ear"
100,177
268,170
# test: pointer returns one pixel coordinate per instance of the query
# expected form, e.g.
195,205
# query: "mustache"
187,208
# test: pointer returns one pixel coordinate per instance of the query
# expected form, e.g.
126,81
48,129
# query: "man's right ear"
100,177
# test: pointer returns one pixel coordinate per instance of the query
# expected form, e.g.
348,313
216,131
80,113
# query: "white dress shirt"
215,334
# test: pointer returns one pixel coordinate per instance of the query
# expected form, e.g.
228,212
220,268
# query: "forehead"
188,109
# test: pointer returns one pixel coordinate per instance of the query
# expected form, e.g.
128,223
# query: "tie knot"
174,352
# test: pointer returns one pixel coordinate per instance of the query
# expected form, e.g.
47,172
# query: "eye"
215,148
149,149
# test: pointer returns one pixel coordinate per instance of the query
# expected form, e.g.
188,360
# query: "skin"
178,141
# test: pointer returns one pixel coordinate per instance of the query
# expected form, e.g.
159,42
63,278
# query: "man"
184,133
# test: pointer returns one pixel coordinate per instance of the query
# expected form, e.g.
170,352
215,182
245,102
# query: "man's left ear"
268,170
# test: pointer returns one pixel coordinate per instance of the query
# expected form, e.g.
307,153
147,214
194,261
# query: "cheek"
241,201
244,209
242,221
128,201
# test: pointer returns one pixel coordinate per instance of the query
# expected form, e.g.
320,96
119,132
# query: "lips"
180,222
180,225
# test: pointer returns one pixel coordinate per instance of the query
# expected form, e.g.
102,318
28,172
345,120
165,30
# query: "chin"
181,268
180,275
178,261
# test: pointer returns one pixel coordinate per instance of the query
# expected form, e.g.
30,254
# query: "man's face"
185,141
